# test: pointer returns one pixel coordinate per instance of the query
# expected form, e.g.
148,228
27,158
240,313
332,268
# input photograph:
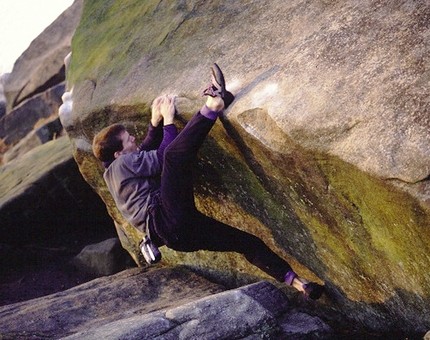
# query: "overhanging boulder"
324,154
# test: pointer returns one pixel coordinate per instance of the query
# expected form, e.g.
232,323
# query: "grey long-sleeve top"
133,179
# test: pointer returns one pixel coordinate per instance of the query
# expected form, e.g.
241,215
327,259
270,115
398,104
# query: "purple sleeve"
170,133
153,138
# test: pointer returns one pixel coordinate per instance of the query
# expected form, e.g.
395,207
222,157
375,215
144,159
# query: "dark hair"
107,142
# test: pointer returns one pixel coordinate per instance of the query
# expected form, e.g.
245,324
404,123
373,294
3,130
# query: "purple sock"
208,113
289,277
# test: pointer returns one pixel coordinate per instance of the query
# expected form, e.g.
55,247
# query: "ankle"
298,283
215,103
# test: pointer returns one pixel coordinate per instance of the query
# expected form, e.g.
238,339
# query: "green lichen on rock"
358,224
335,218
379,238
300,159
122,33
15,177
107,22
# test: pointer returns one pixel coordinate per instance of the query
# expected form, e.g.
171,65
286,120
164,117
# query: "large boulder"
168,303
250,312
40,135
104,300
324,154
103,258
43,196
30,115
41,65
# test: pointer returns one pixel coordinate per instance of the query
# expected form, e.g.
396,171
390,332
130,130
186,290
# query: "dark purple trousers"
177,222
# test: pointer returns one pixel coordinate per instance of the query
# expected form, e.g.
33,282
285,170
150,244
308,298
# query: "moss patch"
392,236
18,175
122,32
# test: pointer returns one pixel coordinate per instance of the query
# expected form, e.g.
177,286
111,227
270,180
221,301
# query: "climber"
152,186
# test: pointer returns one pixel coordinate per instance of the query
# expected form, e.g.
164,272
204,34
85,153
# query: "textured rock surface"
30,114
102,301
351,78
33,90
168,303
324,154
40,135
103,258
42,194
41,65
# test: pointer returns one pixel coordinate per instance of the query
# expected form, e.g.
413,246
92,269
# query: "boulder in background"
41,65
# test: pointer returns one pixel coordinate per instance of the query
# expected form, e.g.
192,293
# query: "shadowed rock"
168,303
104,300
43,194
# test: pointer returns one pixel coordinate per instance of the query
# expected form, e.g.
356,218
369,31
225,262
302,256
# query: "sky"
21,21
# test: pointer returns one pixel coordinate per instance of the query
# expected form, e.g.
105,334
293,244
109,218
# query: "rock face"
48,212
41,66
324,154
103,258
23,119
168,303
30,95
44,189
52,129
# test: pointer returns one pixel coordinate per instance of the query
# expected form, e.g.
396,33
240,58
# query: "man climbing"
152,186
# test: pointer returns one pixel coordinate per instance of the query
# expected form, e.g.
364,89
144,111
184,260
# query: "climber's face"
128,144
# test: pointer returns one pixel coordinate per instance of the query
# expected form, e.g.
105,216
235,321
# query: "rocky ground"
50,271
44,267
